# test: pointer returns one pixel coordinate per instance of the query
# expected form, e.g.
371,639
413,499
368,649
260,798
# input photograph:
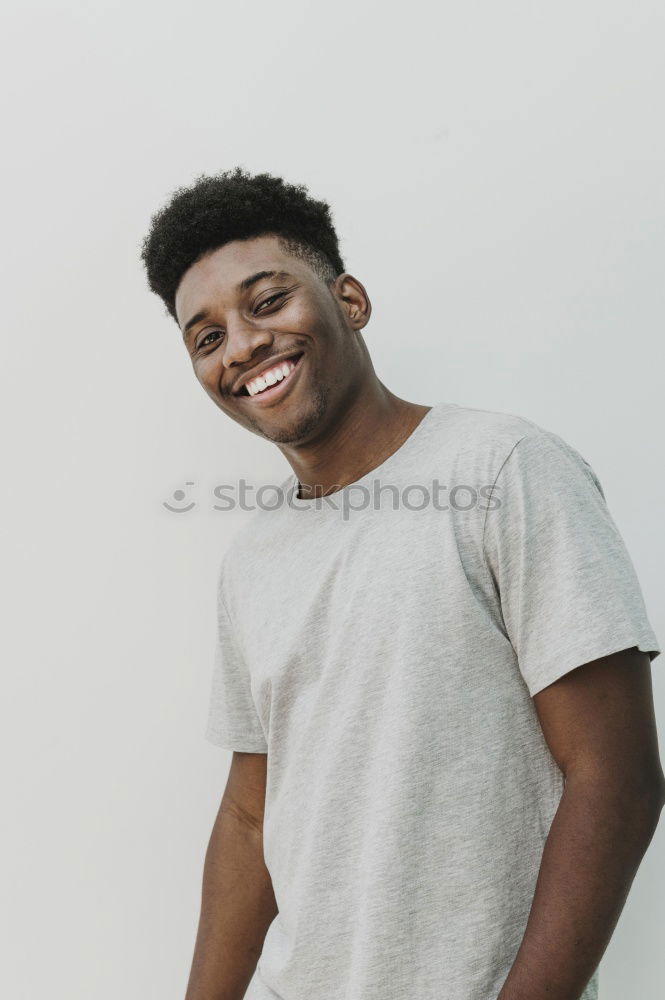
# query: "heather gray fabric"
385,659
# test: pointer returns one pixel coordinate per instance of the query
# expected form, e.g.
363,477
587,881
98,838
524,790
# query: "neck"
363,435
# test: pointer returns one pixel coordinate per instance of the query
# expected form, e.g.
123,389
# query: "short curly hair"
234,205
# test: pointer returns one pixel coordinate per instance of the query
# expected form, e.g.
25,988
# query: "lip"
260,369
279,389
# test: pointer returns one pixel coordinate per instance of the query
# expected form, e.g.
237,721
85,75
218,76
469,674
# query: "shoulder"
258,528
501,440
491,429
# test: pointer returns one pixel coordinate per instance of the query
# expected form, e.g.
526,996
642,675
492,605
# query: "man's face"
233,331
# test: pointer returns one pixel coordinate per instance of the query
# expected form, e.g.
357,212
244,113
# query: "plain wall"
495,173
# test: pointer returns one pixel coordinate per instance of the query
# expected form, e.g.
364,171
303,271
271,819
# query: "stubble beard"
300,427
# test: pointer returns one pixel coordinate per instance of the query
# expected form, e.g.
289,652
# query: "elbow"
635,791
652,785
657,801
637,810
643,806
659,791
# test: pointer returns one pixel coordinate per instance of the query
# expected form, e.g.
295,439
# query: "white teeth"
270,377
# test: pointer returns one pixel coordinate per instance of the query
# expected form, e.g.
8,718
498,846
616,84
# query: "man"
445,766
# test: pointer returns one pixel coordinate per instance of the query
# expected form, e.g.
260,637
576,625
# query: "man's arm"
599,723
238,903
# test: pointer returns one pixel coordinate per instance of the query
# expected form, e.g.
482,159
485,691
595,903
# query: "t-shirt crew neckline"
318,503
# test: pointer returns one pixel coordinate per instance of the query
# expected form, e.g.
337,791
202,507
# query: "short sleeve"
567,587
233,722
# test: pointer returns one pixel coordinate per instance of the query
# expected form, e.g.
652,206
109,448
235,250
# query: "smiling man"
432,660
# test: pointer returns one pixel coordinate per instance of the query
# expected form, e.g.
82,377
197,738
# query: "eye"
204,342
271,298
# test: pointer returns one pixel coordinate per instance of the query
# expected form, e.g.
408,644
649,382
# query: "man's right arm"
238,904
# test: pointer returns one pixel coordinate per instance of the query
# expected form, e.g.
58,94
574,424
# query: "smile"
273,383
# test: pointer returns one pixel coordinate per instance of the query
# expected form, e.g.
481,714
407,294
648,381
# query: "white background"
495,173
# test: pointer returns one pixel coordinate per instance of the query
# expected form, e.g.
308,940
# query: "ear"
353,299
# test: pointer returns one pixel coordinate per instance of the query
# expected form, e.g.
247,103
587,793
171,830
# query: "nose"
241,344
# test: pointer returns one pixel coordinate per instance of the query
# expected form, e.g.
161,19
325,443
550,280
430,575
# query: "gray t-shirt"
383,649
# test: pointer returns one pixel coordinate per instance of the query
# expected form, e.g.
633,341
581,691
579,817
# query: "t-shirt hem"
244,744
562,665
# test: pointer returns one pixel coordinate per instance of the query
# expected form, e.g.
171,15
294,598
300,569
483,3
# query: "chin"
294,428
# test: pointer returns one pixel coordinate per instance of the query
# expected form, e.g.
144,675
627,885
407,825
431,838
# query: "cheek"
298,315
208,371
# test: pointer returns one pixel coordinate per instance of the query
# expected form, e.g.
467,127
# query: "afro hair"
234,205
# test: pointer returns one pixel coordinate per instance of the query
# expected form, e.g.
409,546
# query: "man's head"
209,254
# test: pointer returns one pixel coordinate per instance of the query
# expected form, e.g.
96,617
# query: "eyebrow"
242,286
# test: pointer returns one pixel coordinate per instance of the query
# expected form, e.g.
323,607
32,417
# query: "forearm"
237,907
596,842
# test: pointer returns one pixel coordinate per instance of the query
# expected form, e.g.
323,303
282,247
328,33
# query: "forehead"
214,278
